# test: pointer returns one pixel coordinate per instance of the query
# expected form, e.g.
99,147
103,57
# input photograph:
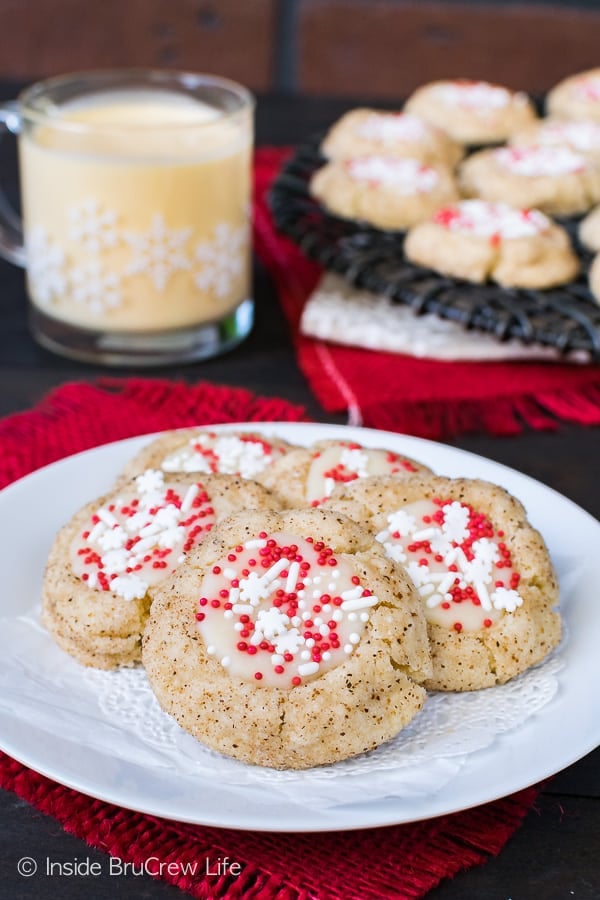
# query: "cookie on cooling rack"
582,136
288,640
486,582
481,241
107,562
589,230
472,112
309,475
576,97
555,180
372,132
242,453
384,191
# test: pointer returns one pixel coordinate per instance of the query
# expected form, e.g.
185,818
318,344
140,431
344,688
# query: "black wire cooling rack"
566,317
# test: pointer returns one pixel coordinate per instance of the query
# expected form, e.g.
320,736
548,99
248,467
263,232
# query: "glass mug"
135,191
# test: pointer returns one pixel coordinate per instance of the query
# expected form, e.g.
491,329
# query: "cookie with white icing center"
555,180
368,132
576,97
481,241
486,582
472,112
384,190
288,640
106,563
307,476
580,135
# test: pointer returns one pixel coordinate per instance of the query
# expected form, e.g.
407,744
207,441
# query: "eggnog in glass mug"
135,189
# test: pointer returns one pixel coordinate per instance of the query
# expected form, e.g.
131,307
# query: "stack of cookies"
475,178
293,605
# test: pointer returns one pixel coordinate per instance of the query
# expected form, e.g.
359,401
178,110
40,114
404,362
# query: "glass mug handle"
12,245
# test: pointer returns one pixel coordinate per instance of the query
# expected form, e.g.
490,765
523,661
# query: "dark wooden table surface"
556,853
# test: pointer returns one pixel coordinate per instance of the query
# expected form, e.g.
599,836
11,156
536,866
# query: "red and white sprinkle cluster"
280,609
540,161
478,96
346,462
227,454
392,128
141,536
582,135
459,563
494,221
404,176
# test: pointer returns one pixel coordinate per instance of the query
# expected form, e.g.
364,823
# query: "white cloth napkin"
338,312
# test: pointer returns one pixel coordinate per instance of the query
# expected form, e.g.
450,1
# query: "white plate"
35,507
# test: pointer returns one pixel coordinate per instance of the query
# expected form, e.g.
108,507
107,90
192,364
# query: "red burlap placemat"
396,862
416,396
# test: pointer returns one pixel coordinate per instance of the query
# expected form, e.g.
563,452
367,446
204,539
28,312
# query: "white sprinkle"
272,573
316,580
326,656
239,626
364,617
335,574
316,594
145,544
359,603
181,558
190,495
338,615
257,544
326,608
318,621
434,600
277,659
352,594
310,643
240,608
446,583
107,517
211,650
228,614
426,589
331,586
226,661
293,572
354,638
306,654
305,616
424,534
230,573
96,531
92,580
324,630
308,669
450,556
234,595
382,536
352,617
296,620
483,595
348,648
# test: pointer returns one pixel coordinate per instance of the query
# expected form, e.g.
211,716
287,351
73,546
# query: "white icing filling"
405,176
492,220
227,454
273,615
344,462
587,88
141,536
457,561
390,128
583,135
477,95
539,161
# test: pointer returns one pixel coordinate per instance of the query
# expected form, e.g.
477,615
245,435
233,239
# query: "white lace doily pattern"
117,711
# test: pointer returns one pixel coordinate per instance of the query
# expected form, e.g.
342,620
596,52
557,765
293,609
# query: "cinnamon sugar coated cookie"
288,640
372,132
243,453
576,97
307,476
385,191
472,112
478,241
108,560
555,180
486,582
